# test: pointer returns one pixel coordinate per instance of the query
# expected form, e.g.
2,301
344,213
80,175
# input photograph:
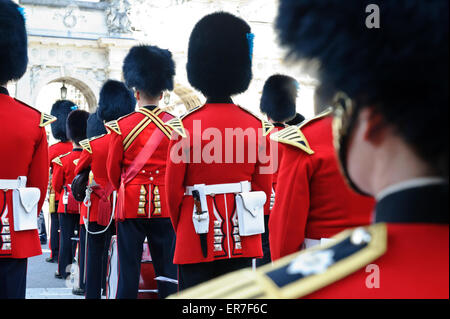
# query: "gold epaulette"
302,273
46,119
57,160
267,127
113,126
86,145
292,135
177,125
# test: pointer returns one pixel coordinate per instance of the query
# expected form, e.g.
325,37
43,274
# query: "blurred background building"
75,46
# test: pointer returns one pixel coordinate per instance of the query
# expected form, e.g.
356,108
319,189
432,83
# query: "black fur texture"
219,63
95,126
278,98
115,100
13,42
76,125
400,68
61,110
149,69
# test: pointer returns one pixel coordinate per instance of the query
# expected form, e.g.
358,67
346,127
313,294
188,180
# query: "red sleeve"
38,171
58,178
84,162
114,160
174,179
262,177
292,199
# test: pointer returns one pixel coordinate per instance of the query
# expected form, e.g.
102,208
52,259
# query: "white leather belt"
20,182
222,188
308,242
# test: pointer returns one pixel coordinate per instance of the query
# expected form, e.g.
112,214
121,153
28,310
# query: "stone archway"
88,88
83,88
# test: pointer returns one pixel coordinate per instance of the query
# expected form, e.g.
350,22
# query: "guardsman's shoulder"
319,116
265,125
302,273
86,145
58,159
191,111
44,118
176,123
292,135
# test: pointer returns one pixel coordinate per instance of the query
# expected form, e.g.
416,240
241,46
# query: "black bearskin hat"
219,55
76,125
95,126
149,69
13,42
116,100
278,97
399,67
61,110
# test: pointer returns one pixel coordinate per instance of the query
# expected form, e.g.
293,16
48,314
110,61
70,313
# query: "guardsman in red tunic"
278,103
60,110
116,100
136,167
63,175
24,160
220,171
318,203
391,125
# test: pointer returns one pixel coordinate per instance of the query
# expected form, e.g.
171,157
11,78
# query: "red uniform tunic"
54,151
94,155
315,201
405,254
209,161
63,176
24,153
144,195
276,152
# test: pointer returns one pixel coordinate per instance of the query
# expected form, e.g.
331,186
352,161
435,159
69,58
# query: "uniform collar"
4,90
414,201
218,100
151,107
77,149
279,124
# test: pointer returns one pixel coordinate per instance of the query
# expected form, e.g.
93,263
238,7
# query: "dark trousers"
54,235
81,257
265,244
131,234
41,228
193,274
97,259
13,278
68,223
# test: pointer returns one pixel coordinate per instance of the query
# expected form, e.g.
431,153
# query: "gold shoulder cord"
155,118
282,279
128,140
